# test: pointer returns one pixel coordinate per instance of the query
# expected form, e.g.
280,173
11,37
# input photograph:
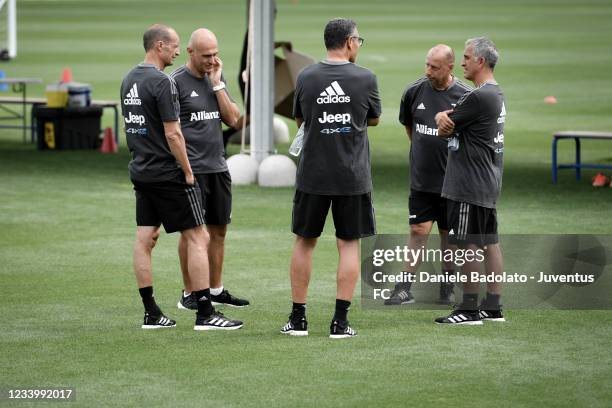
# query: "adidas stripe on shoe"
492,315
216,321
341,330
464,317
157,322
295,327
399,297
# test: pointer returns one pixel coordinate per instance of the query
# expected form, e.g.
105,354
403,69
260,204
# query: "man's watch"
219,87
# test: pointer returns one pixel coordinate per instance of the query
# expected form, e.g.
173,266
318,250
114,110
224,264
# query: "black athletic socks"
298,310
470,301
148,301
492,301
342,308
205,307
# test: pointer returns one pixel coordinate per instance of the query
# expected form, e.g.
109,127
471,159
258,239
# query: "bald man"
164,184
204,103
437,90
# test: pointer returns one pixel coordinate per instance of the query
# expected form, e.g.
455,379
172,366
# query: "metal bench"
578,164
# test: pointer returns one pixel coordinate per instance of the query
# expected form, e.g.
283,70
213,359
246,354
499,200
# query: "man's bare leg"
419,233
301,268
494,264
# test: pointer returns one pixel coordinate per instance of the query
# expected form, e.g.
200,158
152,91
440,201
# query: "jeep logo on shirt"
343,118
136,119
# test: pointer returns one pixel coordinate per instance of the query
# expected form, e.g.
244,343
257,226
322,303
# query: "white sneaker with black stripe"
341,330
458,316
216,321
157,322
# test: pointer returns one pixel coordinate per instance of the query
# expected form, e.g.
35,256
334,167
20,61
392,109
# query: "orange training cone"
108,143
67,75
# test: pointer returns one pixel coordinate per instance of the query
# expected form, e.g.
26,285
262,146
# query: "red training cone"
67,75
109,145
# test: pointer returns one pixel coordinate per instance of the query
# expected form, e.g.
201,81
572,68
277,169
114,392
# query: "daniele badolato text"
400,256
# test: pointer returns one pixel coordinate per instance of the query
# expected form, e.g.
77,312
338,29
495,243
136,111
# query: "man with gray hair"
473,179
437,91
164,184
205,103
336,100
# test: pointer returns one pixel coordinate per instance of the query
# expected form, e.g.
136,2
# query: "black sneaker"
491,315
295,327
341,330
458,316
226,298
400,296
187,302
216,321
157,322
446,294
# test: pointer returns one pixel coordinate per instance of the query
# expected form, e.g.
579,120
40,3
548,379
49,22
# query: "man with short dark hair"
437,91
205,102
336,100
165,188
473,178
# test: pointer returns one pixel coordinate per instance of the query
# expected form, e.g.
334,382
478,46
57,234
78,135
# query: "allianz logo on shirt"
203,115
426,130
132,97
333,94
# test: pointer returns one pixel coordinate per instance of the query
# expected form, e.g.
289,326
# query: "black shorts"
424,207
173,203
471,224
216,197
353,215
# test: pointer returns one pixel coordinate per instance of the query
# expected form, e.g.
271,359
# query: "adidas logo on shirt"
333,94
194,94
421,106
502,114
132,97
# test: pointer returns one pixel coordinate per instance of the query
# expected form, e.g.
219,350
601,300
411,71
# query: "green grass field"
71,313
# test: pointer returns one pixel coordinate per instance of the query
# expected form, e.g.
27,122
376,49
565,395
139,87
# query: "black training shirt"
149,98
335,100
474,171
428,152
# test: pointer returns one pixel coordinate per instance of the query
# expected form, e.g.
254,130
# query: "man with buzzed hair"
205,102
336,100
474,177
164,184
438,90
